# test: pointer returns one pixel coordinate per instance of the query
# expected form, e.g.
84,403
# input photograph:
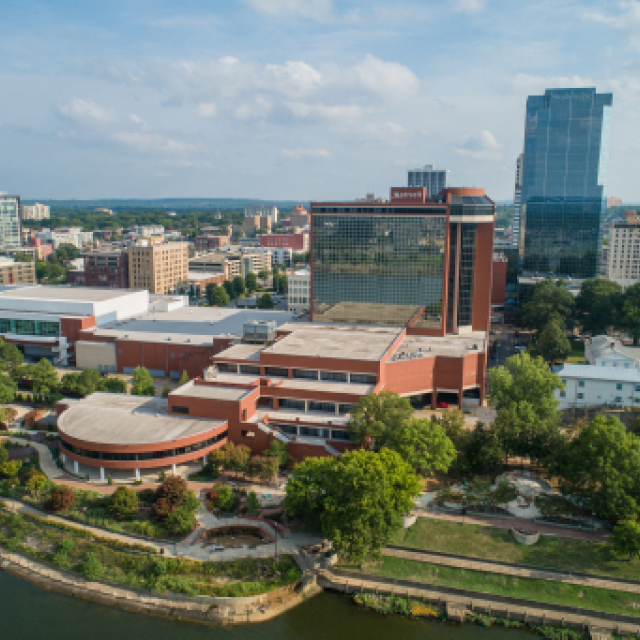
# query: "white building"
434,180
262,210
517,202
594,386
603,351
282,256
623,255
147,230
299,291
71,235
35,211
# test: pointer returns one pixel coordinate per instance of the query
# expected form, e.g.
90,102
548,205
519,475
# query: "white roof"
594,372
604,345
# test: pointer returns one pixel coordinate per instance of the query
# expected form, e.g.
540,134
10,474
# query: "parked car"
443,405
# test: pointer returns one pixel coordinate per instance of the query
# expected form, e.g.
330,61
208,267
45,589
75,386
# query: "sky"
297,99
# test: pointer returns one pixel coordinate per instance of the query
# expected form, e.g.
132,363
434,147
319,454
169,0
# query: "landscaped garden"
565,554
99,559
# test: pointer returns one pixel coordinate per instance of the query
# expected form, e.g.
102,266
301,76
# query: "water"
30,613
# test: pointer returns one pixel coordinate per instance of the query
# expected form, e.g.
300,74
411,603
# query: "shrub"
68,545
161,508
174,489
109,479
62,499
180,520
252,501
124,503
61,559
92,569
147,495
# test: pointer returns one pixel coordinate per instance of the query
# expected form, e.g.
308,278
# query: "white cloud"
85,111
525,84
138,121
298,154
390,80
627,21
321,10
258,107
206,109
467,6
293,77
338,112
483,146
387,133
145,142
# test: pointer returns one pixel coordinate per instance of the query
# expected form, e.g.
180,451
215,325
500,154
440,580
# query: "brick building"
160,268
297,242
106,269
211,243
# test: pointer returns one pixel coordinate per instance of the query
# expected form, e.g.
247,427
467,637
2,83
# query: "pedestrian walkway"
47,463
600,582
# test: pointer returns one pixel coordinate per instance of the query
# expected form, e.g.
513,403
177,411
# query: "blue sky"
296,99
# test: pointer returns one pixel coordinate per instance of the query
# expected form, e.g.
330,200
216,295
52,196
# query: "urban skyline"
139,102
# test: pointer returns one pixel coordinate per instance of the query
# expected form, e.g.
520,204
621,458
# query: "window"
310,431
345,408
581,383
223,367
563,394
305,374
329,407
338,376
251,369
363,378
580,396
619,386
278,372
183,410
248,434
619,399
289,429
288,403
340,435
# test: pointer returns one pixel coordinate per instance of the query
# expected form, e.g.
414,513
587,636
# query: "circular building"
117,434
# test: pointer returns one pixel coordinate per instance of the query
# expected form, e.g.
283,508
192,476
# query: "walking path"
600,582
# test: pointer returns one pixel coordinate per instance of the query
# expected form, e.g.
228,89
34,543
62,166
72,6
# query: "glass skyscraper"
566,150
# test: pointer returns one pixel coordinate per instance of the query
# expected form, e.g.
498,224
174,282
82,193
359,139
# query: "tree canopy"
43,376
631,311
553,344
142,383
599,305
251,282
546,298
123,503
265,301
358,498
216,295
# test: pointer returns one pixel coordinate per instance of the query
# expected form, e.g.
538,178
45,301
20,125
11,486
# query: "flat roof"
327,386
301,416
598,372
212,392
242,352
451,346
118,419
351,342
188,325
62,292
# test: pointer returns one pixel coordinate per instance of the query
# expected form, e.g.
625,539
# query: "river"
30,613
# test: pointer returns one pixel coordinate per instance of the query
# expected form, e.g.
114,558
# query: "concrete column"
348,377
102,473
204,461
76,466
64,458
306,406
174,469
137,474
337,409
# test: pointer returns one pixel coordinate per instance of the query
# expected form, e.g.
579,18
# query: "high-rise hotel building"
566,149
10,234
411,262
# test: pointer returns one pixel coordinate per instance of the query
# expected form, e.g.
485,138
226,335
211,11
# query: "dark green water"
30,613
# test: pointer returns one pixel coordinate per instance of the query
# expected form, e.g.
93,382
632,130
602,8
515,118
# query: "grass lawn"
576,355
538,590
493,543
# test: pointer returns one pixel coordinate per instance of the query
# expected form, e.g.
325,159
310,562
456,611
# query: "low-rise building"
12,272
606,351
68,235
211,242
297,242
623,251
262,211
199,281
299,291
232,263
596,386
251,224
35,211
107,269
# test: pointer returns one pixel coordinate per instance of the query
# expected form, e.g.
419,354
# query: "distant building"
299,291
12,272
199,281
605,351
251,224
210,242
160,268
282,256
67,235
106,269
297,242
9,221
35,211
499,279
623,252
433,180
232,263
614,202
262,211
517,202
299,217
147,230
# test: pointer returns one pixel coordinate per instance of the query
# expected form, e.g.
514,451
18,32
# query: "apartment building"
160,268
623,256
12,272
35,211
106,269
9,221
299,291
68,235
210,242
251,224
232,263
261,211
297,242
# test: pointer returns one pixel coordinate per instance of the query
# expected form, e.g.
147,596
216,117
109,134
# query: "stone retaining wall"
203,609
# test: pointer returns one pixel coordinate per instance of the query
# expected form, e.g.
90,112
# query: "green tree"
4,455
114,385
142,383
281,283
547,298
7,389
238,286
92,568
599,305
263,274
631,311
166,390
424,445
219,297
66,252
251,282
358,498
279,450
180,521
228,287
226,499
376,417
10,359
21,256
123,503
83,384
626,538
43,376
184,377
553,344
10,469
265,301
523,393
37,482
601,466
253,504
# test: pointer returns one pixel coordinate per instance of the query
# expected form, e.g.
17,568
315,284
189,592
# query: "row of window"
145,455
313,432
581,383
315,405
29,327
301,374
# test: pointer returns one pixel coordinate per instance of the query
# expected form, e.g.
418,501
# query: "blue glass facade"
564,180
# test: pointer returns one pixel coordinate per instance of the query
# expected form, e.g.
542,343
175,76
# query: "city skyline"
296,99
